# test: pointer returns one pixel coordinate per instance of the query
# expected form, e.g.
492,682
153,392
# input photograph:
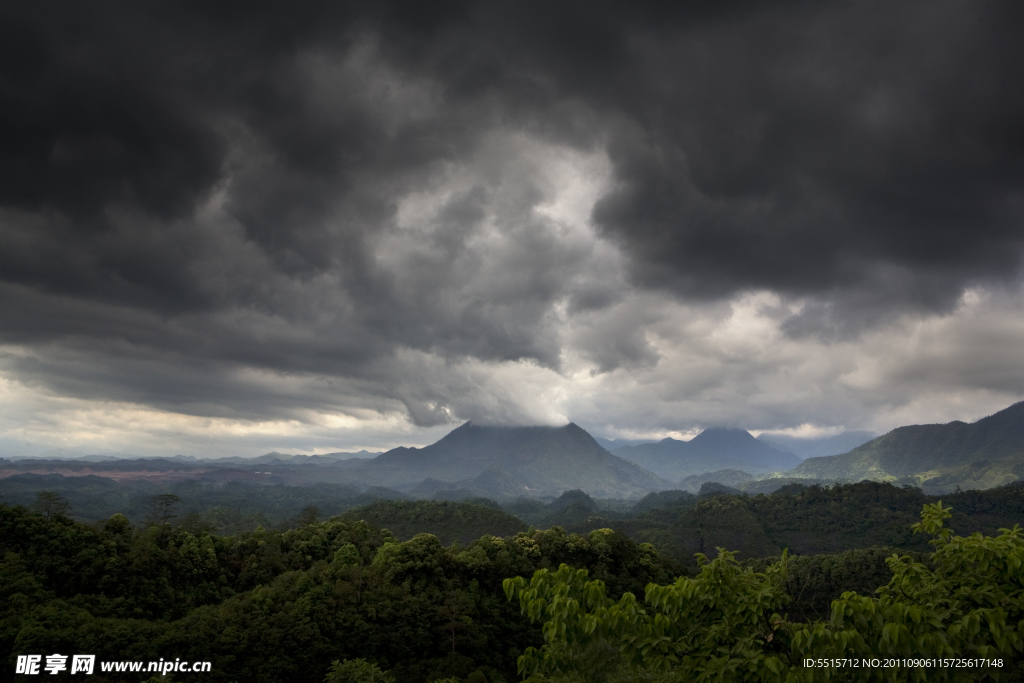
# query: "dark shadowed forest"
414,589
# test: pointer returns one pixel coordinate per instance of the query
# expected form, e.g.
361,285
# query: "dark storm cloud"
805,149
221,190
789,147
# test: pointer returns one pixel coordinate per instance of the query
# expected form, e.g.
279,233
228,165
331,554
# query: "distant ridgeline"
508,463
711,450
939,458
496,462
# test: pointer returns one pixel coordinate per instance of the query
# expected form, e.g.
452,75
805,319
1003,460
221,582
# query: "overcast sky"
319,226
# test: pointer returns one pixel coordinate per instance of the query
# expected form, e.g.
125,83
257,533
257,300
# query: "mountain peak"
539,457
721,434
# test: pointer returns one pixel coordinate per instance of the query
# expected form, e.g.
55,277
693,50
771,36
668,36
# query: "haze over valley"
505,464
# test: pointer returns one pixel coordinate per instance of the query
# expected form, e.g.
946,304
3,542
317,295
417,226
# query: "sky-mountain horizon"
539,459
803,447
712,449
333,227
505,463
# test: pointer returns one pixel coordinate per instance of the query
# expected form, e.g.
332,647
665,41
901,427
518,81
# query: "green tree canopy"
50,504
966,602
162,509
357,671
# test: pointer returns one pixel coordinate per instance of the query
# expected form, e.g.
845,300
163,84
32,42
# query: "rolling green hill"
449,521
938,458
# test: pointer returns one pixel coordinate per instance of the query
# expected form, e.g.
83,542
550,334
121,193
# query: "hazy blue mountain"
363,454
68,454
819,446
612,444
107,458
573,497
937,457
713,488
546,460
661,499
301,459
497,484
694,482
268,458
494,483
709,451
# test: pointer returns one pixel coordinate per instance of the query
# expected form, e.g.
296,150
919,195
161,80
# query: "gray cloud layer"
374,200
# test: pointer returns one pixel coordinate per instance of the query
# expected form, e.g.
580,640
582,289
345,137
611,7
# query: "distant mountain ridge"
937,457
711,450
271,457
694,482
611,444
505,463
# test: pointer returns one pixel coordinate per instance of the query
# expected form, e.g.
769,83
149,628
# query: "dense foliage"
725,624
813,520
346,598
449,521
282,606
230,507
812,582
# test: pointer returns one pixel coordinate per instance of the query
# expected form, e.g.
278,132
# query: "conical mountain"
711,450
987,453
547,460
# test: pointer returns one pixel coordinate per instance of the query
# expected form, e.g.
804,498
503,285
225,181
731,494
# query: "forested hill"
938,457
544,460
711,450
278,606
810,520
449,521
